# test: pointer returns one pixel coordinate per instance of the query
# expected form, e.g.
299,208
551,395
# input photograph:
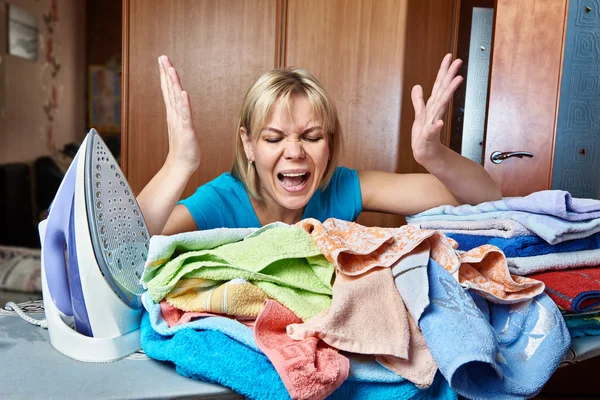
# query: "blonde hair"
282,85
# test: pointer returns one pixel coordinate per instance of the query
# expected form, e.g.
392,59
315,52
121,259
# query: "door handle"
498,156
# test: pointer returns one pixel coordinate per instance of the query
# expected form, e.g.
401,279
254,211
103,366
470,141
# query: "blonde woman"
286,161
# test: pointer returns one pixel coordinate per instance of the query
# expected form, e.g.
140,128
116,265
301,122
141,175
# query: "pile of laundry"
340,310
548,236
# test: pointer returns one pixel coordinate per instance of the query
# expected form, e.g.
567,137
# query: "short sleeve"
341,199
221,203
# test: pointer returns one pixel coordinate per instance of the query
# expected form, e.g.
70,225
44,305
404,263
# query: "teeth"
291,174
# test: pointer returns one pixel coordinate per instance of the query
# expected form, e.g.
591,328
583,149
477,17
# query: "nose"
293,150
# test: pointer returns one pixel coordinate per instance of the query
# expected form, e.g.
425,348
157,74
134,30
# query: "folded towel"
174,316
575,290
526,246
504,228
553,262
282,261
162,248
230,327
309,369
558,203
509,356
553,223
584,326
237,298
214,357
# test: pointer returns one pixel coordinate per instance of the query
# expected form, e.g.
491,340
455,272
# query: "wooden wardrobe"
367,53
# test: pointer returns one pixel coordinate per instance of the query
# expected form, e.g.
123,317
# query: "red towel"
576,290
309,369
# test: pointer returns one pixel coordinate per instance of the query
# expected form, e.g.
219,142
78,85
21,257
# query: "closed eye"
272,140
313,139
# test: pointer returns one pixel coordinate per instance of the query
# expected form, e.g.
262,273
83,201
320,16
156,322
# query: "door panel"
524,86
219,47
361,53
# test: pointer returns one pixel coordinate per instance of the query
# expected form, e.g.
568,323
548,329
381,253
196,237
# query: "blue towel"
525,246
584,325
491,351
212,356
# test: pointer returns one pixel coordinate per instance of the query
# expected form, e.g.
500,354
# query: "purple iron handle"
55,240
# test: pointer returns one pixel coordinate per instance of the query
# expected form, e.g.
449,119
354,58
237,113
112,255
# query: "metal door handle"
498,156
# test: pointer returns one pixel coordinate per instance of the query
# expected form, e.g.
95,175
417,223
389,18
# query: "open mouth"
292,180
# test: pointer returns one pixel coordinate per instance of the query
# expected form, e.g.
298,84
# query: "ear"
248,144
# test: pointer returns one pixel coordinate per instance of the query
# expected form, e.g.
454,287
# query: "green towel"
283,261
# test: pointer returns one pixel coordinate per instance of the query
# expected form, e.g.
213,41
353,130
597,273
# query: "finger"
417,99
176,84
163,82
444,99
171,99
440,75
187,120
447,79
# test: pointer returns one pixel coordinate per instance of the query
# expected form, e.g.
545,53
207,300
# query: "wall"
42,102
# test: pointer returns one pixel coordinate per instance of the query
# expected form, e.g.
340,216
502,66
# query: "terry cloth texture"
503,228
526,246
576,290
492,351
309,370
553,215
212,356
237,298
282,261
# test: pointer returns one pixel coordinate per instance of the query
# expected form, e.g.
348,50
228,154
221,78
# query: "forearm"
468,181
160,196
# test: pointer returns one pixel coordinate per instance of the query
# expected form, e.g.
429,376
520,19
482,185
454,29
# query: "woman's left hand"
428,117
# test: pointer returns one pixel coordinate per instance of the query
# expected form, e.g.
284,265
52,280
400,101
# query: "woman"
287,149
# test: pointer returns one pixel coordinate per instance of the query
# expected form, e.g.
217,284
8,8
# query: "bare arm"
159,198
453,179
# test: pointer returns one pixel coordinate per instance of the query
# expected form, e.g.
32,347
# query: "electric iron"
94,245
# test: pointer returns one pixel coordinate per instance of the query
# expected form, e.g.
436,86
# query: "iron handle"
498,156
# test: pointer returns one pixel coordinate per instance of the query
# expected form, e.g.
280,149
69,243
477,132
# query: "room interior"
96,67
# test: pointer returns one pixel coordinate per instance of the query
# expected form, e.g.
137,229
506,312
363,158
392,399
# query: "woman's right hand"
184,152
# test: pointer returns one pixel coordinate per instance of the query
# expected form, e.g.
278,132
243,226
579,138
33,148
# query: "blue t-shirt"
224,202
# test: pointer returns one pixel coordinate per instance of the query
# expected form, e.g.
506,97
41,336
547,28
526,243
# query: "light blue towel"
557,216
212,356
491,351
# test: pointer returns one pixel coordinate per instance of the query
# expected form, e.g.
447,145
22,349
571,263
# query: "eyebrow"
309,130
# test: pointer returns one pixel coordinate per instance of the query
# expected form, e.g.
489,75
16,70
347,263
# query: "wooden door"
219,47
523,92
368,54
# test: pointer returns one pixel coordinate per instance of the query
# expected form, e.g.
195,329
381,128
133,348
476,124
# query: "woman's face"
290,155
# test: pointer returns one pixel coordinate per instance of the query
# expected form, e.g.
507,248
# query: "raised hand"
184,152
428,117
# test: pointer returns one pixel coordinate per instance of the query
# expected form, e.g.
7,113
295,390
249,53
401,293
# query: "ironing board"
32,369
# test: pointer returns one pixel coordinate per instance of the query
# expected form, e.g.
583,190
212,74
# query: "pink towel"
174,316
309,370
367,316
